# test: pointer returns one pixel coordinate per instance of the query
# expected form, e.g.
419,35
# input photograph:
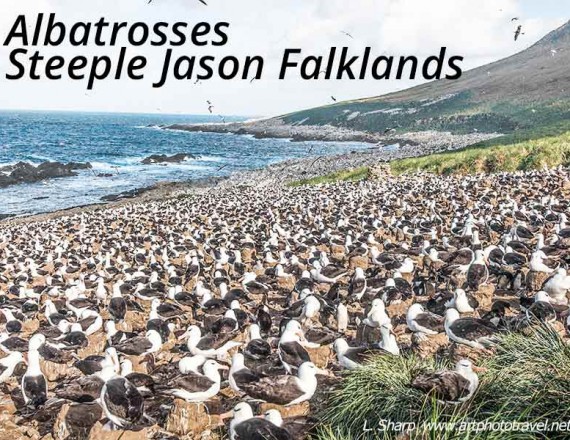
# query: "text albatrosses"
27,59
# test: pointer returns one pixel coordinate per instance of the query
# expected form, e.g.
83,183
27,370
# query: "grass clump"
523,155
527,382
353,175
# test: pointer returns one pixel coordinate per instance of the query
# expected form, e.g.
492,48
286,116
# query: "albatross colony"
232,312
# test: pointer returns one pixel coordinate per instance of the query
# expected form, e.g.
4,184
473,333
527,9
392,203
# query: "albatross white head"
273,416
466,369
241,412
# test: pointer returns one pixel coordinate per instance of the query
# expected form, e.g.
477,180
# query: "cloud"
481,31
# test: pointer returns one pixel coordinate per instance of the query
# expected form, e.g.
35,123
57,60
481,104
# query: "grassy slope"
527,90
519,151
353,175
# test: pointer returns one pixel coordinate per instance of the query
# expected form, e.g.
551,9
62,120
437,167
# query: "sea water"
116,144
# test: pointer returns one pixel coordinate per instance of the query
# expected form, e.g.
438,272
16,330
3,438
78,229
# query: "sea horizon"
115,145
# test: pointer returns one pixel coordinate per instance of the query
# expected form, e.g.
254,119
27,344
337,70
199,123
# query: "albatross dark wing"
471,328
193,383
260,429
430,321
293,353
448,386
280,390
123,400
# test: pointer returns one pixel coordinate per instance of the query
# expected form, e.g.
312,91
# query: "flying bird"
518,32
347,34
333,98
514,19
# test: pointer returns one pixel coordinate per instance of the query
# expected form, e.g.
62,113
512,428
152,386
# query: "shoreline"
279,173
428,141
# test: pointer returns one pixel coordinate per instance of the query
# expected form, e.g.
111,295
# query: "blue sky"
479,30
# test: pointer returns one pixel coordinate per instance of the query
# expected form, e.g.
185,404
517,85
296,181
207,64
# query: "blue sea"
116,144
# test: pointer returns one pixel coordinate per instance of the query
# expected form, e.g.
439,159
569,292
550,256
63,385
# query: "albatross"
194,387
473,332
244,426
450,386
284,390
423,322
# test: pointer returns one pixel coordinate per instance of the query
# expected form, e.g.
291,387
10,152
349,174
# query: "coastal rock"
23,172
163,158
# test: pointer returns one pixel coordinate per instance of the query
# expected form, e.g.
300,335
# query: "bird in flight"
347,34
518,32
514,19
333,98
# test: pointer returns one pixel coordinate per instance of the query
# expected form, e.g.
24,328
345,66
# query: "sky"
481,31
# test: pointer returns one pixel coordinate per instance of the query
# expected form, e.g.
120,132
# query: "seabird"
239,373
450,386
377,315
194,387
422,322
291,348
207,346
285,390
473,332
122,403
462,302
141,345
34,384
257,348
353,357
8,364
244,426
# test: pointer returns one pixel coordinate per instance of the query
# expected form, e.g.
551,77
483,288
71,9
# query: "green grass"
521,151
353,175
527,381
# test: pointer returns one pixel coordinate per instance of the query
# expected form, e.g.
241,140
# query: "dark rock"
125,195
163,158
23,172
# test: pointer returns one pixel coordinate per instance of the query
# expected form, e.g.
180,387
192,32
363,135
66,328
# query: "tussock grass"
352,175
528,154
527,381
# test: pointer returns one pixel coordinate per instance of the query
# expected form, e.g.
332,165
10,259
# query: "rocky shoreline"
281,173
427,142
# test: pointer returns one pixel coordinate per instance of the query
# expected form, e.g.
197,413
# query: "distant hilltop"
519,93
531,87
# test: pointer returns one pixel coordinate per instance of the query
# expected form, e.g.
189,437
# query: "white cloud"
481,31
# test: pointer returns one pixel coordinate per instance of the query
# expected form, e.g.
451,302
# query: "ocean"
116,144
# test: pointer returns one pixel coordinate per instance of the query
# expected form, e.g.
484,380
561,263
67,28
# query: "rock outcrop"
23,172
163,158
